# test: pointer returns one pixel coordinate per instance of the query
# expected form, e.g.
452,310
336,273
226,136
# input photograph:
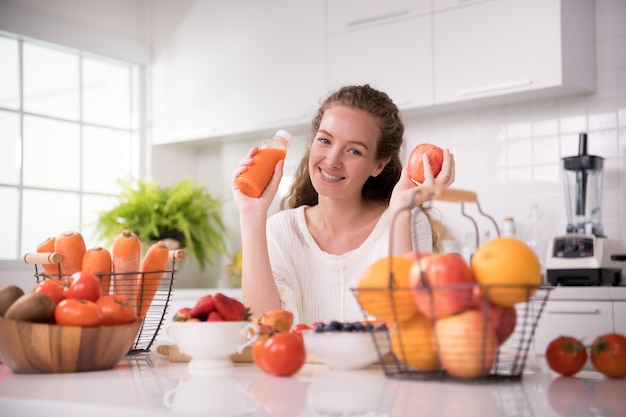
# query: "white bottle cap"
286,135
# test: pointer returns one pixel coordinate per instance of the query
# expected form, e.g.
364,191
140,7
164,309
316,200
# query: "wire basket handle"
452,195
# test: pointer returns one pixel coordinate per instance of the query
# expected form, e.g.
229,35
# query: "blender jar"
583,191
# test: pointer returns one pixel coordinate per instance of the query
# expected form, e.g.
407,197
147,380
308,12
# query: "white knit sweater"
315,285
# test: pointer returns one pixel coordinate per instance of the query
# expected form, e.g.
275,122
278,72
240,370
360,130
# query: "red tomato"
52,288
608,355
116,310
566,355
281,354
77,312
84,285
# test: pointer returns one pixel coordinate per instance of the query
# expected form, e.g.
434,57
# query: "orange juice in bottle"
253,181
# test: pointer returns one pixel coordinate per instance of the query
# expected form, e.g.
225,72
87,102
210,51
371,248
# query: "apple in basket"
503,319
442,284
466,343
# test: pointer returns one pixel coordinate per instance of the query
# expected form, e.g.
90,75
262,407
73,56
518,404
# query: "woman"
337,220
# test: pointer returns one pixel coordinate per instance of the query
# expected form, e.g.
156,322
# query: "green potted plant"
185,212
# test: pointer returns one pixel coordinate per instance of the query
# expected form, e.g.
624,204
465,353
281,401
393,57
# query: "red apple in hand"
416,161
442,284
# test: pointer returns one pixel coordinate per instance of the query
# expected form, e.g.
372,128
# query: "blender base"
584,277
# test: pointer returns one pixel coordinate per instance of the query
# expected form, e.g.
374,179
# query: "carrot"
97,260
48,246
152,268
71,246
126,257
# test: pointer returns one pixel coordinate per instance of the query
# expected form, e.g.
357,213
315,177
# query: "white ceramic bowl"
346,350
210,344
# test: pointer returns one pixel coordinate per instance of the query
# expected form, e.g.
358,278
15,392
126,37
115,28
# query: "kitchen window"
69,129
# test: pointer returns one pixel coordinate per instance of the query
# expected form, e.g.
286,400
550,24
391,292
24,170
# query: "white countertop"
148,384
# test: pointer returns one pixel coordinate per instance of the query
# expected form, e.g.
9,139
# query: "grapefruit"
508,270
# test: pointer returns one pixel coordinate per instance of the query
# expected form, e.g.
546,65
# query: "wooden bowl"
31,348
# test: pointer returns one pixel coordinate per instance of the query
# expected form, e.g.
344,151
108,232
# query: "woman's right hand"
247,204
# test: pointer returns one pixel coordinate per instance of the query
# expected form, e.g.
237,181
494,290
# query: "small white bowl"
346,350
210,344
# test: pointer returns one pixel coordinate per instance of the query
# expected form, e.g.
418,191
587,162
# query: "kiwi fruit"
8,295
34,307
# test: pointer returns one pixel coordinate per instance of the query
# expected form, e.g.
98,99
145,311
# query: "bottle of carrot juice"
253,181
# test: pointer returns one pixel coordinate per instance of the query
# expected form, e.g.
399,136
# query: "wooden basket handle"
441,193
42,258
55,257
177,255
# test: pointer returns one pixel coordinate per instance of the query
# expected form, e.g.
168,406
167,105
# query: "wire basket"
155,315
459,347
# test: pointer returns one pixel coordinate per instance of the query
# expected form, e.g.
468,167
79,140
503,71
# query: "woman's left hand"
447,173
404,191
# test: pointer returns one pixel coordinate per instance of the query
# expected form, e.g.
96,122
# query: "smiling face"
343,152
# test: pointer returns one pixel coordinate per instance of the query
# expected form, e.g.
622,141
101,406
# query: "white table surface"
149,385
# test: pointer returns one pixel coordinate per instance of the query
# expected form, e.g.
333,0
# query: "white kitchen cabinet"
394,57
344,15
385,44
514,49
226,68
581,319
619,317
439,5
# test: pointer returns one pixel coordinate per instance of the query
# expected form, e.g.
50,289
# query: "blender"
583,256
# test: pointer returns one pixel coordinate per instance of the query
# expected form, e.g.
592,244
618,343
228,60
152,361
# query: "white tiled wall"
511,155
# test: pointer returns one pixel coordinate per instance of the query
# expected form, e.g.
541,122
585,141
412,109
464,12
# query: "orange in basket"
384,293
508,269
413,343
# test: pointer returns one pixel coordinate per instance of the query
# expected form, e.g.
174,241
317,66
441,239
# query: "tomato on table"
84,285
566,355
77,312
52,288
116,310
281,354
608,355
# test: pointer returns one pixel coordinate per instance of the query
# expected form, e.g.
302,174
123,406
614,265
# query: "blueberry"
358,327
381,327
319,328
334,326
369,327
348,327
